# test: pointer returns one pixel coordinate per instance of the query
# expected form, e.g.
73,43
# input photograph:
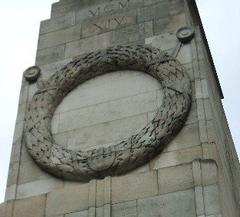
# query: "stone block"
3,209
18,131
38,187
199,200
23,93
169,24
177,178
32,88
59,37
109,87
154,11
185,54
13,174
77,214
165,41
100,193
187,137
87,45
106,112
22,108
217,215
176,204
130,187
189,69
201,89
29,171
99,212
193,115
33,206
176,7
66,200
107,190
10,192
174,158
6,209
211,131
50,55
105,133
150,2
142,169
16,151
211,199
208,109
209,172
132,33
92,188
209,151
60,9
108,23
126,209
63,22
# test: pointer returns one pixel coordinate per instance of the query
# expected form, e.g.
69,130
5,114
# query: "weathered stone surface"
154,11
175,178
211,199
176,204
77,214
33,206
29,172
126,209
63,22
209,172
66,200
10,193
132,187
106,112
86,45
201,89
132,33
6,209
38,187
13,173
169,24
59,37
105,134
50,55
61,8
165,41
3,209
110,87
174,158
187,137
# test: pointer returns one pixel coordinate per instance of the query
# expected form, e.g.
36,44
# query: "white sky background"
20,20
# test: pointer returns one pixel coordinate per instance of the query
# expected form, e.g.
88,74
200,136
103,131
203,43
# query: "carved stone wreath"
128,154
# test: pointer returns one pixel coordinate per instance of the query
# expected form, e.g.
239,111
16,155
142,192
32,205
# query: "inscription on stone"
100,25
111,23
111,7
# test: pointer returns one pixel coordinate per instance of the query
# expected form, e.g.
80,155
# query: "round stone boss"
117,159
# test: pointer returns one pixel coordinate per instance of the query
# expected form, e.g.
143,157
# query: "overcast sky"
19,21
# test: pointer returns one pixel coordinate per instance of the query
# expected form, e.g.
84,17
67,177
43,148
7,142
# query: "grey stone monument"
122,117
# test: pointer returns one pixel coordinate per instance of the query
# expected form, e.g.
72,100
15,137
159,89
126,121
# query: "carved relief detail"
128,154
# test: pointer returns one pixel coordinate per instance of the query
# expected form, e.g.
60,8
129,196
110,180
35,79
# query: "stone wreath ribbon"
122,157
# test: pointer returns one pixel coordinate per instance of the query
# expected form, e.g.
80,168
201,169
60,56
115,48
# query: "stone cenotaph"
121,116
